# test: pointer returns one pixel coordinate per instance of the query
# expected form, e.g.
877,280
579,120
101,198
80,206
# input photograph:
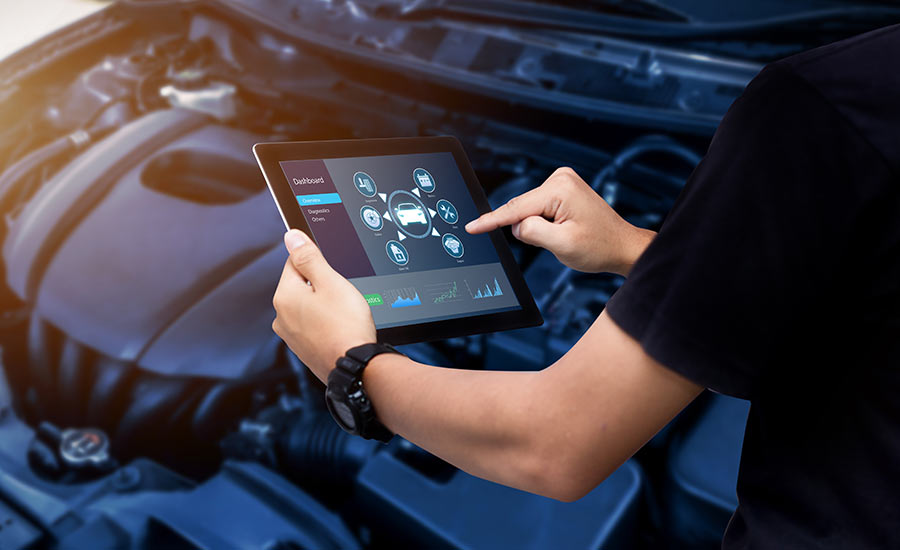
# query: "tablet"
390,215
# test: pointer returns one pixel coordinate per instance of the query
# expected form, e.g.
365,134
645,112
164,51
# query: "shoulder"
777,108
856,77
854,54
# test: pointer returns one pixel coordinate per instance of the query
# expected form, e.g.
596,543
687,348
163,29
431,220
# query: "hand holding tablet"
389,215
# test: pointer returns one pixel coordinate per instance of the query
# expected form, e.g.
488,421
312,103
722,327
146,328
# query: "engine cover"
157,246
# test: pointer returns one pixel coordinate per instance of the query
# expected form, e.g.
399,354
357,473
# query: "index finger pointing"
532,203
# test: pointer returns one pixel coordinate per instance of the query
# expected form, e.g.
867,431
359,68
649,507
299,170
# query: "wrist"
340,350
347,395
374,362
376,365
633,247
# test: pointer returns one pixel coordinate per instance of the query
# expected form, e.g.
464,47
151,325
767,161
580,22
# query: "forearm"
481,421
558,432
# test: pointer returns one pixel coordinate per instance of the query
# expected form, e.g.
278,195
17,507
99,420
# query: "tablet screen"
394,226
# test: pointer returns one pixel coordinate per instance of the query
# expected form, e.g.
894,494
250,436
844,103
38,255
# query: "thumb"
538,231
307,259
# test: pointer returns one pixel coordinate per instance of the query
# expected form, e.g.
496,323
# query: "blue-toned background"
140,251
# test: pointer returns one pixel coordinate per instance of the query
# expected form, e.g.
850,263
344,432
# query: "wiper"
537,15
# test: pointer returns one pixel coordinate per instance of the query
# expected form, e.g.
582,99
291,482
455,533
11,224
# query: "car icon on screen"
409,213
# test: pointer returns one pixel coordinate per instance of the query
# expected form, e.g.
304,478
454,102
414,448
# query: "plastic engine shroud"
157,246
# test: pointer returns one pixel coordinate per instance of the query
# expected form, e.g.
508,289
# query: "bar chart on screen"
487,290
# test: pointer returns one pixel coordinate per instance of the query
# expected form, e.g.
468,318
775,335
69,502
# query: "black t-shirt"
776,278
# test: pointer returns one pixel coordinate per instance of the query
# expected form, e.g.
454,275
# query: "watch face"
344,414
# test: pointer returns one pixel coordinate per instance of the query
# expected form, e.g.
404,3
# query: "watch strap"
377,431
349,369
364,353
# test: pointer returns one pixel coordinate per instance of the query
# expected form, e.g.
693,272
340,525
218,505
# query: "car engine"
147,402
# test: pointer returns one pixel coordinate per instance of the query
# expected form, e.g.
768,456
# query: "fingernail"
471,225
294,239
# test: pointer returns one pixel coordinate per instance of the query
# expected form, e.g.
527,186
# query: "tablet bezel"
269,155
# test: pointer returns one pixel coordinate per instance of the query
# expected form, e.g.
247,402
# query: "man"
775,278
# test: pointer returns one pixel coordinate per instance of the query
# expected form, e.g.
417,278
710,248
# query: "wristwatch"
347,401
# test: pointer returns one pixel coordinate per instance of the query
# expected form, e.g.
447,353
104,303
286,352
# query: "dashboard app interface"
394,226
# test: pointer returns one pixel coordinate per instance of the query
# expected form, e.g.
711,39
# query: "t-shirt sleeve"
753,242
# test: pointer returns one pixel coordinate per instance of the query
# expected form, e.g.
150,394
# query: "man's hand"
320,314
566,216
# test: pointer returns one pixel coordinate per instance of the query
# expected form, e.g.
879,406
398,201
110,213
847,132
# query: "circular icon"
423,179
365,184
447,211
371,218
410,214
397,252
453,245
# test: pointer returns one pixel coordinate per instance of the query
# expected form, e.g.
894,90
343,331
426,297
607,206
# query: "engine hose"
639,147
316,452
12,178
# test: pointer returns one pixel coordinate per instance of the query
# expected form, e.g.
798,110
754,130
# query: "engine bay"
147,402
